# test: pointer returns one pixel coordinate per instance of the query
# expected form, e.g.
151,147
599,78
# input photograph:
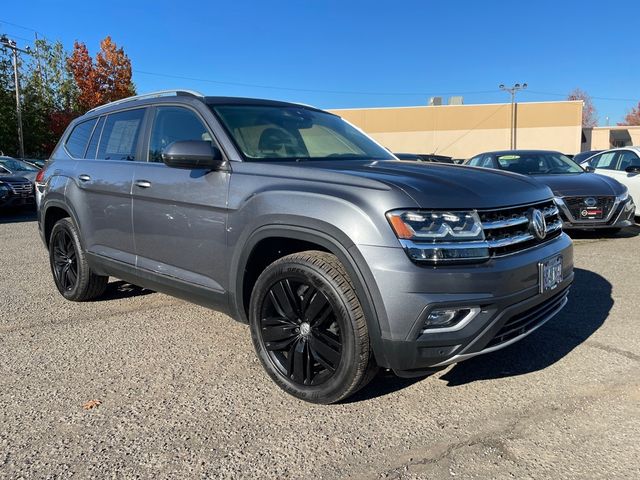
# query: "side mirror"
192,154
589,168
633,169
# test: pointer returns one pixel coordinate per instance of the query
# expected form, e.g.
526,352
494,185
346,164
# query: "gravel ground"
182,394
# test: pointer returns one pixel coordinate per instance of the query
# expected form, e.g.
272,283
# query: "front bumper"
622,215
506,290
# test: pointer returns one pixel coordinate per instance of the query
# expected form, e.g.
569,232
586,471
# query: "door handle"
143,183
84,177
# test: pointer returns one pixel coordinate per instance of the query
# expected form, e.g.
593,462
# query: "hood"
434,185
16,177
581,184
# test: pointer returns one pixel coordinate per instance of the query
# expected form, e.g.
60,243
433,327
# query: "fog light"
449,319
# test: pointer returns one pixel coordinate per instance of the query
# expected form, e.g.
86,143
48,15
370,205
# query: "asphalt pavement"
179,393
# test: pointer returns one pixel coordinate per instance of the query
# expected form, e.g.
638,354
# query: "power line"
294,89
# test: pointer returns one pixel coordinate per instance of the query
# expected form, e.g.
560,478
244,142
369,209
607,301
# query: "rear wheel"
309,329
71,273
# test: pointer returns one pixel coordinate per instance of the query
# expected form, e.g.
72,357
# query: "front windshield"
273,133
16,165
537,163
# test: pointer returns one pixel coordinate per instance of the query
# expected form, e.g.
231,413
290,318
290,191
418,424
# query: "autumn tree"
633,117
103,80
589,113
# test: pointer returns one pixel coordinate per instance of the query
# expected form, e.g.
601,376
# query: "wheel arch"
324,237
53,212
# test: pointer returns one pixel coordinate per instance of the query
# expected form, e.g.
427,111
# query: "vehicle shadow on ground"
17,216
120,289
589,304
587,309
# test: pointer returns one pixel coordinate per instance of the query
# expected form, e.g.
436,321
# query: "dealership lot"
182,393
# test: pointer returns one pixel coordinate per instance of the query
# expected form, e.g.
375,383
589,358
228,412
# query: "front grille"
577,204
524,322
20,189
507,230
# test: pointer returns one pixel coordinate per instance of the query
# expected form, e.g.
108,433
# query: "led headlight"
623,196
440,236
4,190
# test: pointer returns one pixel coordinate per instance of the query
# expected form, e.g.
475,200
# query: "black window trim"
151,120
76,125
143,127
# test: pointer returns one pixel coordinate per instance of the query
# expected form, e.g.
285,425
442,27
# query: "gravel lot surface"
182,394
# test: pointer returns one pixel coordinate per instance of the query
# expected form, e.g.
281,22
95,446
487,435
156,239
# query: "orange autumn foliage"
104,80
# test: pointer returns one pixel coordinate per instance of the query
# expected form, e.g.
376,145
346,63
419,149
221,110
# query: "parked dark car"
16,192
581,157
340,257
585,200
18,168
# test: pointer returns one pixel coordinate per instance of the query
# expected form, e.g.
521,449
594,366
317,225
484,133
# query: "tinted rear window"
79,137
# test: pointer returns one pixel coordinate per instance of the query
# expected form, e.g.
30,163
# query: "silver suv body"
338,255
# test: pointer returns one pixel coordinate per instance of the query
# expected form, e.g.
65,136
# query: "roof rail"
159,93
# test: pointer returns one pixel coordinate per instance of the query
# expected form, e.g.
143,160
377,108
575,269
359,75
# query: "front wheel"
71,273
309,329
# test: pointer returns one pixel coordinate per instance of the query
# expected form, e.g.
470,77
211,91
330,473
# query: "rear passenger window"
95,138
607,161
77,141
119,138
172,124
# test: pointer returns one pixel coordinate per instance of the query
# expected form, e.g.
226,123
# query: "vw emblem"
590,202
537,224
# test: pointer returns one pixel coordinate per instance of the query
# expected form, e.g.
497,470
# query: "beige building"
602,138
461,131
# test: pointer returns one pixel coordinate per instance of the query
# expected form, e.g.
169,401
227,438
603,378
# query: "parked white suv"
623,164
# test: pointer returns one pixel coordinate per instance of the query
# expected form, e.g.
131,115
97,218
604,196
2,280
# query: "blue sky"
338,54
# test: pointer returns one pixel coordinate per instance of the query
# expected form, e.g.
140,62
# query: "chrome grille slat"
507,229
518,220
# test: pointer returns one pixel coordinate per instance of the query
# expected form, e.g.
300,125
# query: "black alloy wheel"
71,272
65,267
300,331
309,329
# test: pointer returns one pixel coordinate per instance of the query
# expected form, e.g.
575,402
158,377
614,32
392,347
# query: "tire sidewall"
342,380
68,227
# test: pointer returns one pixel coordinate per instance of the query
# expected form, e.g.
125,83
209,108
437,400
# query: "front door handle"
143,183
84,177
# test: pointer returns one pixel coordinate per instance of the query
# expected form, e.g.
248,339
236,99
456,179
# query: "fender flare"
337,243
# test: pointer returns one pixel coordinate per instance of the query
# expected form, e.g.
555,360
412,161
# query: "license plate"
591,212
550,273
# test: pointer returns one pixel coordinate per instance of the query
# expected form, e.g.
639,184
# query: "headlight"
622,197
4,189
440,236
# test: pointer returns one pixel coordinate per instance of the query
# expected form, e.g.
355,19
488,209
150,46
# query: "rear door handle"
143,183
84,177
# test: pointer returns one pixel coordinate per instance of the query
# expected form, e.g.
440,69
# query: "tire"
309,329
71,272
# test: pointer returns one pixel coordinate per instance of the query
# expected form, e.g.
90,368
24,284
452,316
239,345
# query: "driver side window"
171,124
628,159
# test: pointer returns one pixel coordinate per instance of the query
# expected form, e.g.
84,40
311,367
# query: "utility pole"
8,43
513,91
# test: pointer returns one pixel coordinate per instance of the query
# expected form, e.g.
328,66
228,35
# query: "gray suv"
340,257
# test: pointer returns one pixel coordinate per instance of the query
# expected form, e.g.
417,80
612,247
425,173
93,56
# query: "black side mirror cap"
193,154
633,169
589,168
